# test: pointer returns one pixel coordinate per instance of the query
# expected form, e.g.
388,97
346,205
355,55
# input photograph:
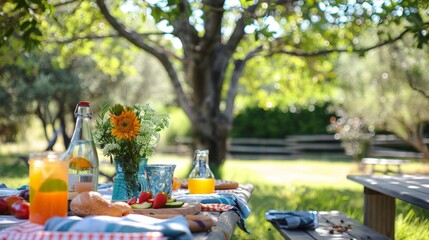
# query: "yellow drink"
48,186
201,185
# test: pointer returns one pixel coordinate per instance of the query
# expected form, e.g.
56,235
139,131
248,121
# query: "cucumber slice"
171,200
174,204
143,205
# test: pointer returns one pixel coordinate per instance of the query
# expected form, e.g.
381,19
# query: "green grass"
305,183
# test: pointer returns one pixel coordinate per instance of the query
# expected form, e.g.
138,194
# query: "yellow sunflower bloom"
126,125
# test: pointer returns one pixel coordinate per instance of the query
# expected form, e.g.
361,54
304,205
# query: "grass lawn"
304,184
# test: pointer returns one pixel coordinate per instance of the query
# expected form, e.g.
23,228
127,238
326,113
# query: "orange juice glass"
201,185
48,186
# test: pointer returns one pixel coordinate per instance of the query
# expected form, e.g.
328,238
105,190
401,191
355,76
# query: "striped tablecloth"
31,231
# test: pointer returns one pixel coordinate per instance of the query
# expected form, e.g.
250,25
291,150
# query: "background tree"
46,91
376,90
200,43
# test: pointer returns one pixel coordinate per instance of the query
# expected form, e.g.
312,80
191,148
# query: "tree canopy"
205,46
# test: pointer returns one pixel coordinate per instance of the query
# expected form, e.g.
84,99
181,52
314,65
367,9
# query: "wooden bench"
384,161
332,225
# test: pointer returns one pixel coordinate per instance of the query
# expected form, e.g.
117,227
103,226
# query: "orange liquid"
201,185
48,189
45,205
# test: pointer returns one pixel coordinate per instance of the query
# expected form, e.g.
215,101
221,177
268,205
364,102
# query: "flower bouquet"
126,134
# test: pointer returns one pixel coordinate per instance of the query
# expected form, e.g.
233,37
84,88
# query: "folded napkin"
293,219
218,201
173,228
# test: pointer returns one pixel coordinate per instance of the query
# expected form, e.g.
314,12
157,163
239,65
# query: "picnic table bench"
331,225
386,162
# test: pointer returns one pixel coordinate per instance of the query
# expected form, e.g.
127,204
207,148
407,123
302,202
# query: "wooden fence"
296,145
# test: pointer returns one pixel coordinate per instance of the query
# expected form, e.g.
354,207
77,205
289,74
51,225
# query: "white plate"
4,192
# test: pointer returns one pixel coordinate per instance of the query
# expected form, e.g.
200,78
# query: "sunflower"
126,125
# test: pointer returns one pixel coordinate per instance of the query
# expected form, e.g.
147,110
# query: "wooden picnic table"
380,192
224,223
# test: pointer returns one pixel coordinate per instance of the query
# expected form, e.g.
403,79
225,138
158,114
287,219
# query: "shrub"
276,123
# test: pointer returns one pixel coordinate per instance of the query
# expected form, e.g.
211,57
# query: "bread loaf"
92,203
124,207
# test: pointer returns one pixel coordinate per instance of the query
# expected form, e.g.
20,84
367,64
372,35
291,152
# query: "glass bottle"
82,154
201,180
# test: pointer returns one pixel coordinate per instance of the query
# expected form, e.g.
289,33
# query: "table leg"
379,212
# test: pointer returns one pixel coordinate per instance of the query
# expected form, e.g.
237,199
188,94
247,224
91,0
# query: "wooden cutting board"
186,209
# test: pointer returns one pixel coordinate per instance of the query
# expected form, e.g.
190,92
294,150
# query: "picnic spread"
203,216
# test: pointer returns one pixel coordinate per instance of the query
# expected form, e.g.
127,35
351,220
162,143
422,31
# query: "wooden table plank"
408,188
326,222
380,192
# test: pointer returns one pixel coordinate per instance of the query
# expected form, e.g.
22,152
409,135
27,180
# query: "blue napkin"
293,219
240,205
173,228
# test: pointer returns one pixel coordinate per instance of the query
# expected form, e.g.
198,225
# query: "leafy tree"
200,43
376,90
46,91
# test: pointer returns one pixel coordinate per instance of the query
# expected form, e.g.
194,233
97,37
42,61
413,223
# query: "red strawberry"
145,196
160,200
132,201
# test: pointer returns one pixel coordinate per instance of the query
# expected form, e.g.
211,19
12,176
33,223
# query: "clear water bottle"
201,180
82,153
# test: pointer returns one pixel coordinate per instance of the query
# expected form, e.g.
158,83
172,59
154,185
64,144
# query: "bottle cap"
85,109
83,103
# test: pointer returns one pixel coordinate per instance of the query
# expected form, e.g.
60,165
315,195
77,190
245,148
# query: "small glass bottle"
82,154
201,180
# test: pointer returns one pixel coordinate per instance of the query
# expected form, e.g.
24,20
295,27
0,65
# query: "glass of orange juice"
48,186
201,185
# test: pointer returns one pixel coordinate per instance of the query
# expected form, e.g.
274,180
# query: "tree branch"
134,38
73,39
238,32
301,53
65,3
414,86
184,30
213,10
233,86
95,37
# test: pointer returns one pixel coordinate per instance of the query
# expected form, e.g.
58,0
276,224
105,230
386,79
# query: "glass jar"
201,180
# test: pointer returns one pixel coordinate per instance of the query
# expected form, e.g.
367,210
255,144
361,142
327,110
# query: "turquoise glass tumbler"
159,178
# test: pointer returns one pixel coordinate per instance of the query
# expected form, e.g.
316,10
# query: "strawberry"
145,196
132,201
160,200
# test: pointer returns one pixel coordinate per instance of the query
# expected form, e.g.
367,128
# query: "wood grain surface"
186,209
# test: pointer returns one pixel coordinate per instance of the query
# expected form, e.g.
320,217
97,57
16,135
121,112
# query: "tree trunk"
415,137
420,146
215,142
66,138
